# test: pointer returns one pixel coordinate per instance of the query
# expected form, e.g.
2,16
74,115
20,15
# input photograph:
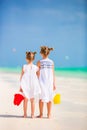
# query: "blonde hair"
45,50
30,55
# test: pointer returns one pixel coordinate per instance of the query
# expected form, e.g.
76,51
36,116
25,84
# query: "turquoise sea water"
72,72
66,72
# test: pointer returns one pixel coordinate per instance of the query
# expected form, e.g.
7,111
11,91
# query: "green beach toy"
57,99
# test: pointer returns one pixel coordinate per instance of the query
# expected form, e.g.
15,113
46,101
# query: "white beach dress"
46,79
29,82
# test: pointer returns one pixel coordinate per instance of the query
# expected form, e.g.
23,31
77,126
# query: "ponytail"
34,52
50,49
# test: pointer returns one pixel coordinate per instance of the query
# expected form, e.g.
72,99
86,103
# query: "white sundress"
46,79
29,82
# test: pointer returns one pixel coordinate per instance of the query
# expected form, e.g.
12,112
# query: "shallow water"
68,72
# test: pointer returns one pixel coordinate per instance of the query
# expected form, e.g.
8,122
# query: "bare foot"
25,116
48,116
32,116
40,116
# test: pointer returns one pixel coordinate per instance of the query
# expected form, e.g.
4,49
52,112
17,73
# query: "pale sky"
28,24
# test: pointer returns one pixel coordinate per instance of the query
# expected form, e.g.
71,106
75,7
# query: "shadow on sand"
17,116
12,116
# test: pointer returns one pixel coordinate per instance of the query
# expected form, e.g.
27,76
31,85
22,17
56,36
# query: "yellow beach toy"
57,99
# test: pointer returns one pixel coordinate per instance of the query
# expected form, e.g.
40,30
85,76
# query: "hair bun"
26,52
50,49
34,52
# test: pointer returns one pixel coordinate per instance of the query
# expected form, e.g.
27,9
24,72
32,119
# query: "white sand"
71,114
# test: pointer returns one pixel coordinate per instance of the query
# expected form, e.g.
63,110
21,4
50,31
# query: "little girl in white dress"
46,80
29,82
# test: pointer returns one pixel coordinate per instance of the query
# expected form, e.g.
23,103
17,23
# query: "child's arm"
38,72
22,72
54,86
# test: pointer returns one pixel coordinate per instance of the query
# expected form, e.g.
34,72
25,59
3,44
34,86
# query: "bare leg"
41,104
49,106
41,109
32,107
25,107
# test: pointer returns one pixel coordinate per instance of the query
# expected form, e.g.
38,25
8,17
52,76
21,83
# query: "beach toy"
18,98
57,99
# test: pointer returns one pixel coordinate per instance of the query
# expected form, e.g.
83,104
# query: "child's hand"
54,87
20,90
